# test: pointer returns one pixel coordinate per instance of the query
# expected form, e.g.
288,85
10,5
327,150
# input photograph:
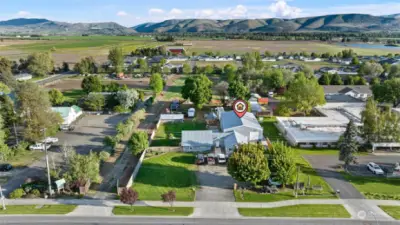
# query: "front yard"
393,211
330,211
166,130
38,209
152,211
170,171
376,187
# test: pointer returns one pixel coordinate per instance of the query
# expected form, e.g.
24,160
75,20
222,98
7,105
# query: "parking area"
89,132
384,162
215,183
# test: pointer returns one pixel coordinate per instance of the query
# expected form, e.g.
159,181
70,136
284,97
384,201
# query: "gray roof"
230,120
343,89
197,138
171,117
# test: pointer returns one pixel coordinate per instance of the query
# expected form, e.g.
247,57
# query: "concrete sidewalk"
358,208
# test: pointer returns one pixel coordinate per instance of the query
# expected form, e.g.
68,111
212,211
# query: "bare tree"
129,196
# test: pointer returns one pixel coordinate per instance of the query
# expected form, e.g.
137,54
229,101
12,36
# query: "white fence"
136,170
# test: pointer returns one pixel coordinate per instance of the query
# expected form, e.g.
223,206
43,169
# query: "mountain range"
337,22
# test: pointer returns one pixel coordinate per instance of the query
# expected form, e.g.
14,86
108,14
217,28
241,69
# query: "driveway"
326,166
215,183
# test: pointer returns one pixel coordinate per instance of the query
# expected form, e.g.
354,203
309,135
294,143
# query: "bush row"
379,196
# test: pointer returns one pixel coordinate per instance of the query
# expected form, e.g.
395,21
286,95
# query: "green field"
320,211
38,209
73,95
152,211
165,129
376,187
174,91
171,171
393,211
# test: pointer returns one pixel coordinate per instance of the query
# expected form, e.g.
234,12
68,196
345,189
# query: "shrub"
110,141
35,192
171,136
104,155
17,193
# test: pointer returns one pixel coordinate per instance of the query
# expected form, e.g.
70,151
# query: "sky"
133,12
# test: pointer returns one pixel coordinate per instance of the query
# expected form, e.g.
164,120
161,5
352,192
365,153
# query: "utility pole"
297,182
47,161
15,129
2,198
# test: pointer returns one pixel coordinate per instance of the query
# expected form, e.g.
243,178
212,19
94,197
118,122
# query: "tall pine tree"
349,145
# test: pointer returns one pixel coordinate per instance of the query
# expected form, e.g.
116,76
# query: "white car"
221,158
271,94
39,146
375,169
50,140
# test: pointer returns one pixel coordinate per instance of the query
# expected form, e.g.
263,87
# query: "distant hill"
44,26
338,22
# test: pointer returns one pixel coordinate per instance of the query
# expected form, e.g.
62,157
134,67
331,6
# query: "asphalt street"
69,220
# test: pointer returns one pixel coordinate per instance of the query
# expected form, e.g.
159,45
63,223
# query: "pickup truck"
39,146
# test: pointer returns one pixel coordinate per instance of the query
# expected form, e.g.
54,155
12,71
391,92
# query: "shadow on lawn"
184,159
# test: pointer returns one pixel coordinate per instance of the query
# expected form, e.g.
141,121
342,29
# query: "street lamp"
47,160
2,198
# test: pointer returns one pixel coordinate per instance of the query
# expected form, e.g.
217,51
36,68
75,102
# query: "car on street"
50,140
5,167
221,158
210,159
375,168
200,159
39,146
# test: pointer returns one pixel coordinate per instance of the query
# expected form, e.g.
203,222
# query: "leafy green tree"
82,168
360,80
283,109
87,65
187,69
394,71
155,69
40,64
127,98
33,108
282,162
138,142
143,65
336,79
238,90
305,94
355,61
349,145
325,79
230,72
375,81
308,71
8,78
5,64
370,121
111,87
208,69
91,84
350,80
65,67
56,97
274,80
117,59
248,164
371,69
163,61
388,91
156,83
95,101
17,193
198,90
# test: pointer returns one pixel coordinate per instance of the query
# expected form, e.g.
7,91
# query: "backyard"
174,90
331,211
170,171
169,134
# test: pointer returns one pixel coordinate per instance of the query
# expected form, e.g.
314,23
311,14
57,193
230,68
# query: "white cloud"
373,9
23,13
155,11
122,13
175,11
280,8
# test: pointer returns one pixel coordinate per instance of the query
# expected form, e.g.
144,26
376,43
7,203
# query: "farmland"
242,46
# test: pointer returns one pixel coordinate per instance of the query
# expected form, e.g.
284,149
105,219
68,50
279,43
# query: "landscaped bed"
152,211
376,187
393,211
170,171
165,132
38,209
331,211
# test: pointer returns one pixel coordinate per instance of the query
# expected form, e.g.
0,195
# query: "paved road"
54,78
70,220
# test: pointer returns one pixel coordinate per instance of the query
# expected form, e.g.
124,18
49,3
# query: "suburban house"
232,131
176,50
312,59
69,114
347,93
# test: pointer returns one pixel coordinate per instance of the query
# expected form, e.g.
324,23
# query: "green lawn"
161,137
174,91
170,171
25,158
393,211
376,187
251,196
73,95
152,211
37,209
270,130
331,211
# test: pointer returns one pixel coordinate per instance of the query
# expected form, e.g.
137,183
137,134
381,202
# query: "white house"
69,114
23,77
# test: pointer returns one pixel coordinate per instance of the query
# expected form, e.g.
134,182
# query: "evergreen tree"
349,145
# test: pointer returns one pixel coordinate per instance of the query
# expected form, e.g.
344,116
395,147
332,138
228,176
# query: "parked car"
39,146
270,94
374,168
5,167
221,158
210,160
50,140
273,182
200,159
